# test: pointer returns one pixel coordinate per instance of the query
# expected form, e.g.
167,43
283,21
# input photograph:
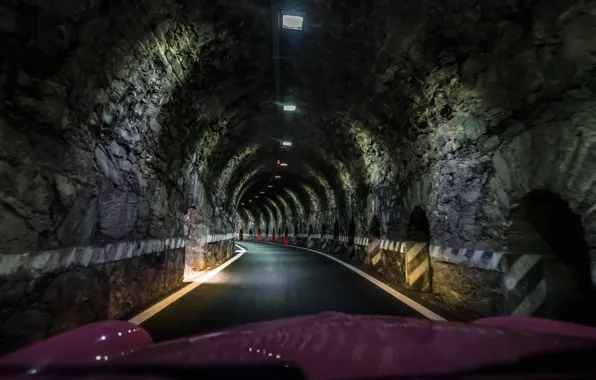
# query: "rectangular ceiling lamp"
289,108
283,164
269,186
292,22
286,143
277,177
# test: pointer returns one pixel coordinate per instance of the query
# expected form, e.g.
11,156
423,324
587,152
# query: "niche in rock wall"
543,224
311,230
267,231
418,227
336,229
296,230
375,228
352,229
324,229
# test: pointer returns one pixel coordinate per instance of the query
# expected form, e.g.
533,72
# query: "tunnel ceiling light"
242,203
277,177
262,192
256,196
292,22
289,108
286,143
250,200
283,164
270,186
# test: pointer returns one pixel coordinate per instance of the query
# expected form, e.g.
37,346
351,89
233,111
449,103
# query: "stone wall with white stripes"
48,292
475,282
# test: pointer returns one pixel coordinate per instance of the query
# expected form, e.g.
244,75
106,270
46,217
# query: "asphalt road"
270,282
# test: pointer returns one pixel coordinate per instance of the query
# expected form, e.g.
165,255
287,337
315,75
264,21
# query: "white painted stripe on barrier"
519,270
374,245
477,256
74,257
151,311
401,297
532,301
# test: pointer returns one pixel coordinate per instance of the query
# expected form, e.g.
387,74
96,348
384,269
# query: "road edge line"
400,296
159,306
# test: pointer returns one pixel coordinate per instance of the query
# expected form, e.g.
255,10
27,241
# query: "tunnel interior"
157,128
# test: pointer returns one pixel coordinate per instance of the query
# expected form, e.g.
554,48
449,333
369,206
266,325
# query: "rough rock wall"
111,138
80,134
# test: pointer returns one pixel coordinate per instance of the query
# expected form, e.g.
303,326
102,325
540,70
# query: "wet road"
271,282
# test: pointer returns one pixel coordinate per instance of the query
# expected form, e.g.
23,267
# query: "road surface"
271,282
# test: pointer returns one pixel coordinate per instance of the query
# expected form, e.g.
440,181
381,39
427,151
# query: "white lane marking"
401,297
151,311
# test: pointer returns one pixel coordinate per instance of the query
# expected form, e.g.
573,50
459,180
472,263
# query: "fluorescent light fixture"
277,177
286,143
283,164
270,186
262,192
292,22
250,200
289,108
242,204
256,196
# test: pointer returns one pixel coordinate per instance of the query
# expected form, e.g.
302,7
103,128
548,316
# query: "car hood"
323,346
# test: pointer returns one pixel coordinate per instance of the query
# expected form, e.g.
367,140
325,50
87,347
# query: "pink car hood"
323,346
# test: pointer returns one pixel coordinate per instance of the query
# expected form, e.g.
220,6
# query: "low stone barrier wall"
208,252
45,293
485,283
493,283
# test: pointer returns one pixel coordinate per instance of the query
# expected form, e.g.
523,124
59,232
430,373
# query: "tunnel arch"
543,224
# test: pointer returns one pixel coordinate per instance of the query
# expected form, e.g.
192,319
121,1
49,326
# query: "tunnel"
138,142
